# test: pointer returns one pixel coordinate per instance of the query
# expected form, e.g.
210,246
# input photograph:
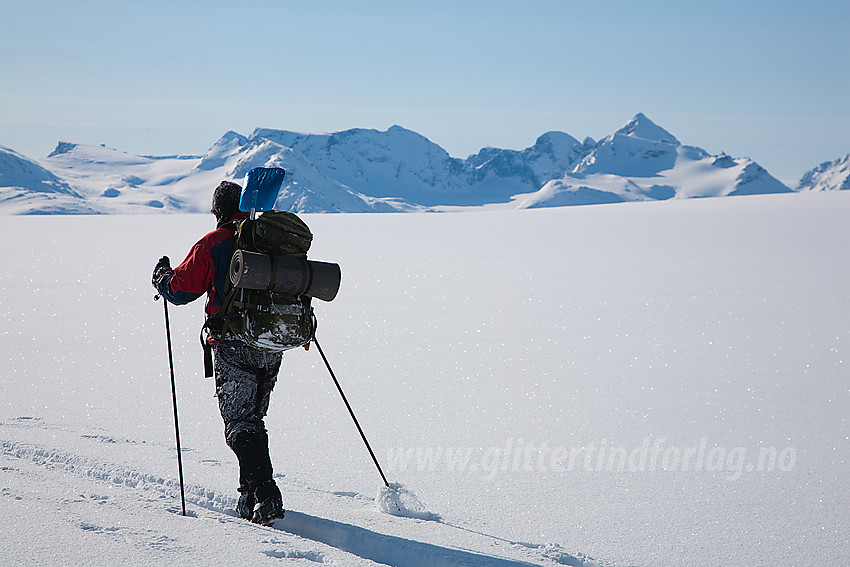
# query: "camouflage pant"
244,380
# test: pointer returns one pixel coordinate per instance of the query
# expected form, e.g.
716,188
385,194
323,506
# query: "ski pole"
174,401
350,411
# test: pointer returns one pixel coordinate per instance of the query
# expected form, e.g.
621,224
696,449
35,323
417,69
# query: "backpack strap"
205,344
218,324
229,301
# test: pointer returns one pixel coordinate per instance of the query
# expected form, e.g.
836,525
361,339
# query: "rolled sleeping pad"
296,276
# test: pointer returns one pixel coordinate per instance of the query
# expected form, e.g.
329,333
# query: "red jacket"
204,270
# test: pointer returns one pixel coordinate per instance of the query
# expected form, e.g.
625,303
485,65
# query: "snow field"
501,342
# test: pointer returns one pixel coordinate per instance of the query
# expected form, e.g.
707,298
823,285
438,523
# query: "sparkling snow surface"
650,384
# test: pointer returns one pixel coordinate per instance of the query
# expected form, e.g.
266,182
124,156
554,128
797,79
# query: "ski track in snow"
352,539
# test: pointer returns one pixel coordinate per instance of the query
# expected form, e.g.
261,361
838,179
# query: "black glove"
163,268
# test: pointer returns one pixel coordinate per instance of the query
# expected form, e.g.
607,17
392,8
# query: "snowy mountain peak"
28,188
396,129
555,142
828,176
95,155
218,154
642,127
641,148
20,171
62,148
231,137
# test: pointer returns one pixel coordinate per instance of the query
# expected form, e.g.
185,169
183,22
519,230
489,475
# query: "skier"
244,376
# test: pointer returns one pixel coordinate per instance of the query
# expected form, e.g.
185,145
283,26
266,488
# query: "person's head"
225,200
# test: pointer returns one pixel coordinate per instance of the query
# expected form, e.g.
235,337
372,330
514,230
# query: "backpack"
269,320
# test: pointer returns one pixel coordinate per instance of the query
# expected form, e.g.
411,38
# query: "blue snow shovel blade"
262,184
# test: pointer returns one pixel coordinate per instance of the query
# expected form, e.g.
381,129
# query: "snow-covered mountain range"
27,187
362,170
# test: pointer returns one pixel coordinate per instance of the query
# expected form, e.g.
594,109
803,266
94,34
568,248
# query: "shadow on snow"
382,548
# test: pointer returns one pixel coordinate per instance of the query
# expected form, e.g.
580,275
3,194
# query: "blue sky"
765,79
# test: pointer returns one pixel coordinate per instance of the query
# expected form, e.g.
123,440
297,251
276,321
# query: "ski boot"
245,506
269,504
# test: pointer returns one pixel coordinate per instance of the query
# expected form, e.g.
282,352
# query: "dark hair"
225,200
